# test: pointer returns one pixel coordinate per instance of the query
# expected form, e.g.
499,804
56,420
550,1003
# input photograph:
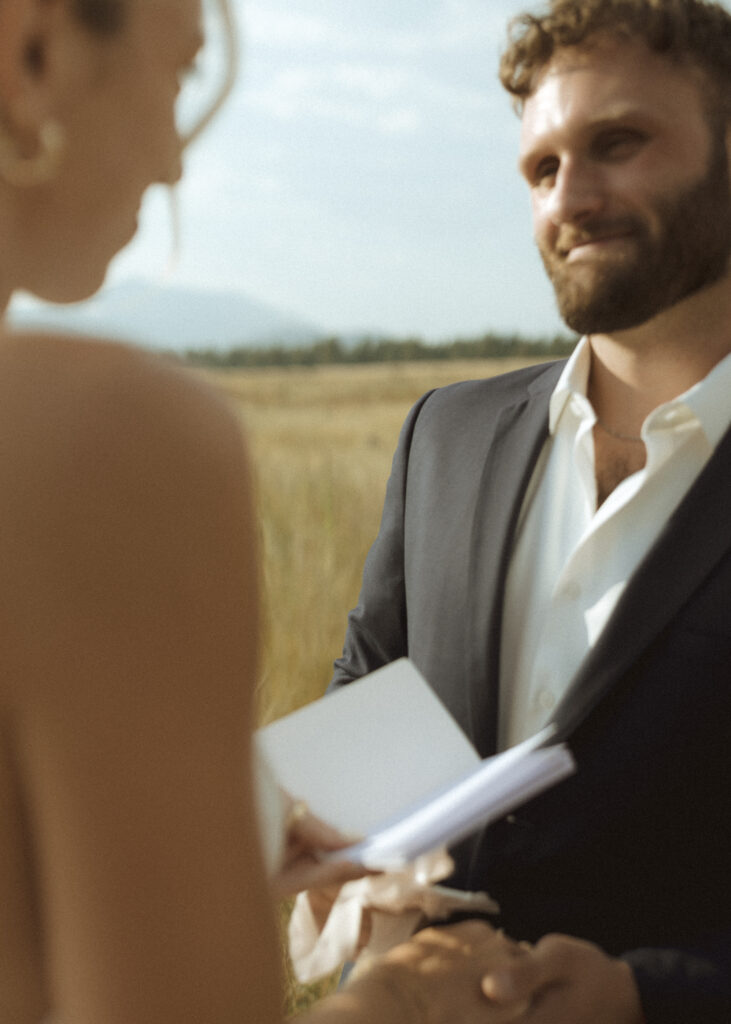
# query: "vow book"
383,759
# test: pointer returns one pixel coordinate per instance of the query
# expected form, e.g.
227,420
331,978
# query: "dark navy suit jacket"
634,851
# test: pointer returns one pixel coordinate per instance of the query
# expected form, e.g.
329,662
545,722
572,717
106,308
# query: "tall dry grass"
321,440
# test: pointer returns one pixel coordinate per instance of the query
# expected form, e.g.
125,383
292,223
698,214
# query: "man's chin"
603,320
604,304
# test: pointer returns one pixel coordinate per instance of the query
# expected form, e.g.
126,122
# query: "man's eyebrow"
629,115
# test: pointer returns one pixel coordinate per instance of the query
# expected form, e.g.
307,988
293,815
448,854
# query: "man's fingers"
516,980
550,962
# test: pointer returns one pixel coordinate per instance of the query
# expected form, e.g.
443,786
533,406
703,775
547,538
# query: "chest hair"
615,460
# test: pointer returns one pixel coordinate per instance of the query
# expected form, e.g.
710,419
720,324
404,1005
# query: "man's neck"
635,371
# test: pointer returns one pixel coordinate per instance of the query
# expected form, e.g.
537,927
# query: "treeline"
334,350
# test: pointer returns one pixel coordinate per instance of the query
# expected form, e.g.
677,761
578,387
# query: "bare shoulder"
62,388
128,610
124,491
80,418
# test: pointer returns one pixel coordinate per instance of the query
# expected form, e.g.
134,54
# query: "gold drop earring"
26,171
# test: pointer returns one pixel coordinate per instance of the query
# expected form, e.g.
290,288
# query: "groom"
556,542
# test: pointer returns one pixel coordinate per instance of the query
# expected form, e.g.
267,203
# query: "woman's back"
128,623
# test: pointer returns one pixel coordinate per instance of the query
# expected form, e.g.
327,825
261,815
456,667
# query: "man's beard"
691,253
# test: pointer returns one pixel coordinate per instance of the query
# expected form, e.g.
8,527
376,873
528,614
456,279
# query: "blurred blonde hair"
231,63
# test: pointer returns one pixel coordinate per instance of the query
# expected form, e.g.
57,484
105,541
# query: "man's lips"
585,243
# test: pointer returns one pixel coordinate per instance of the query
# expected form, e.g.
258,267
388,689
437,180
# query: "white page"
384,759
497,786
370,750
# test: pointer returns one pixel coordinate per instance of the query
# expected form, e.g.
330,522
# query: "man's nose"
577,193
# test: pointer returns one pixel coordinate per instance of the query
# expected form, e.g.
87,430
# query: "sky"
362,175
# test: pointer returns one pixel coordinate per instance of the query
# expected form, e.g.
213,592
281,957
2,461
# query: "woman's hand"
307,837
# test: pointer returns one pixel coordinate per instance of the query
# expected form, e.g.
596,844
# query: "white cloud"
265,25
376,82
372,97
393,27
401,121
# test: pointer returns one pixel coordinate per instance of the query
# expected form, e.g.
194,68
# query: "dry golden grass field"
322,440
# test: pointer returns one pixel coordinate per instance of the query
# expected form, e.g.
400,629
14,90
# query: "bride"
131,875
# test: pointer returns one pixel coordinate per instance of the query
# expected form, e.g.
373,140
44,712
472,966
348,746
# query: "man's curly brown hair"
694,31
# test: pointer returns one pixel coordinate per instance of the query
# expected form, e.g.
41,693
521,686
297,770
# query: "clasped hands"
474,974
469,972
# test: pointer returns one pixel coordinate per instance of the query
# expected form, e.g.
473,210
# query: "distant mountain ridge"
174,317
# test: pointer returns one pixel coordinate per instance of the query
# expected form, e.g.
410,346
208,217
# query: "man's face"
630,185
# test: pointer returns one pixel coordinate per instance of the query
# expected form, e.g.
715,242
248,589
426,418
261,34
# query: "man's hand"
435,977
562,980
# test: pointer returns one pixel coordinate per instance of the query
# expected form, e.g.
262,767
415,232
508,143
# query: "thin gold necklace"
617,435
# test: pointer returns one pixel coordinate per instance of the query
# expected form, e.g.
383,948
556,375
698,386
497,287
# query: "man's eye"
619,145
545,173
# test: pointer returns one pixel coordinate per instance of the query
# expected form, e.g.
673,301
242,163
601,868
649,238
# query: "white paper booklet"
384,759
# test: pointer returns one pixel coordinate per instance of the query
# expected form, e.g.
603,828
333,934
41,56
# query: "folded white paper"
382,758
368,751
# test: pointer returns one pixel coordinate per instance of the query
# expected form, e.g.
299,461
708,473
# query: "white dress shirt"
572,560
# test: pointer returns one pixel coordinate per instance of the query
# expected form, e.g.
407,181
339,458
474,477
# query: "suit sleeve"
678,986
377,631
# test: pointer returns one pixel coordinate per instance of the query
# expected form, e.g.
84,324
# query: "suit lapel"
520,433
695,538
